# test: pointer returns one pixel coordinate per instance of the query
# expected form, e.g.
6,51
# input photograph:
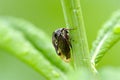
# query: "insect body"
61,43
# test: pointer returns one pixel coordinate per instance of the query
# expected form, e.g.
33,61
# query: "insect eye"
55,35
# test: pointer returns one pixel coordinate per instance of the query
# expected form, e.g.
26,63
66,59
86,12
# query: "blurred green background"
48,16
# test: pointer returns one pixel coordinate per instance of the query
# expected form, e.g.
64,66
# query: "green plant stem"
74,20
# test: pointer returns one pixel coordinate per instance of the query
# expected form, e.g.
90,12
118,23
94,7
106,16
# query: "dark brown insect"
61,43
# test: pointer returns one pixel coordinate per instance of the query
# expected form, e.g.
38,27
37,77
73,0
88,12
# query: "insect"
61,43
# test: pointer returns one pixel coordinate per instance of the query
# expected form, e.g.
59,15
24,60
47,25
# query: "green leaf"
38,39
107,37
14,42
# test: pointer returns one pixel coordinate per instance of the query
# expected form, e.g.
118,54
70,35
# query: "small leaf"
107,37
